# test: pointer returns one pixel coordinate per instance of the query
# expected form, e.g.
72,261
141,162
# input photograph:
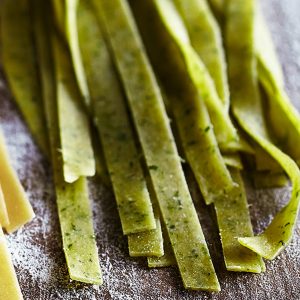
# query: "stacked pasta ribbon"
15,211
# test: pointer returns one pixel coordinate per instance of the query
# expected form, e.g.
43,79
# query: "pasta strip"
159,148
72,38
18,57
72,200
234,221
247,109
206,39
17,204
76,145
283,117
4,221
114,128
9,286
190,114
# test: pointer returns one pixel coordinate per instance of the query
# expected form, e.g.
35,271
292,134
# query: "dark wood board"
37,249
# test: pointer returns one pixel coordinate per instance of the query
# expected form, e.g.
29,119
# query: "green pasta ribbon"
247,109
157,142
223,127
206,38
115,131
71,12
74,127
147,243
74,209
233,221
189,111
18,56
168,259
283,117
192,126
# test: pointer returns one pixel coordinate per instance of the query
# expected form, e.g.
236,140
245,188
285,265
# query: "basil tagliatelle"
72,38
283,118
74,209
18,56
195,132
247,109
190,113
74,127
202,26
114,128
159,148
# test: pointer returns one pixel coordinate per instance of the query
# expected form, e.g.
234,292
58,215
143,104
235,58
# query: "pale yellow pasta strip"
18,207
4,221
9,286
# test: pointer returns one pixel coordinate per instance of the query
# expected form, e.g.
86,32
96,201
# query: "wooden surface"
37,249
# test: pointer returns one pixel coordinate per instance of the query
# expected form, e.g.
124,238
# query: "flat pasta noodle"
147,243
168,259
223,127
9,286
114,128
150,243
190,114
18,58
18,207
74,127
224,130
202,26
233,221
72,39
76,223
4,220
265,50
152,124
283,117
200,146
247,109
74,209
101,168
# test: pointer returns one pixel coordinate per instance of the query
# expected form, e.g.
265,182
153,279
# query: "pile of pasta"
126,69
15,211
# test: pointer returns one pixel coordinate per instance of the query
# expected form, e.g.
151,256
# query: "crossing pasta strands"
158,145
